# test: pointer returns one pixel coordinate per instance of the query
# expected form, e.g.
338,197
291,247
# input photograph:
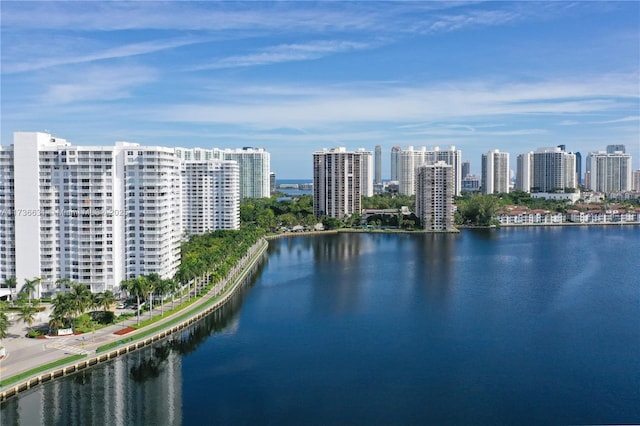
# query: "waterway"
535,325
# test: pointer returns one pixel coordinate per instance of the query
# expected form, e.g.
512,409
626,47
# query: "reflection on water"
140,388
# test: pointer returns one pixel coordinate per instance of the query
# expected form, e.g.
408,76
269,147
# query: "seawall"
172,324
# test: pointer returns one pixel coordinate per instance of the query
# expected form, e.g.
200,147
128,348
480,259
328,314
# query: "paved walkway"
24,354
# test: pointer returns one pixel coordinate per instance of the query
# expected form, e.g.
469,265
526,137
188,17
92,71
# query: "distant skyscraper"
636,180
254,163
553,170
395,162
615,148
579,168
466,169
378,165
609,172
434,196
411,159
336,182
524,173
272,182
366,173
495,172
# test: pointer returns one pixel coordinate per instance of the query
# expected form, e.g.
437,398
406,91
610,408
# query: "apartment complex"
210,195
435,189
495,172
337,182
101,214
254,165
609,171
553,169
411,159
524,171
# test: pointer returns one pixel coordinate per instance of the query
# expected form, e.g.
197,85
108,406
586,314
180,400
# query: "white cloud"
99,84
287,53
71,55
619,120
408,105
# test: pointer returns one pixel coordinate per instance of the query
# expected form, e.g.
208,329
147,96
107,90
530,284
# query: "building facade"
495,172
524,172
609,172
395,162
366,172
378,165
210,195
337,180
254,165
435,190
553,170
99,214
411,159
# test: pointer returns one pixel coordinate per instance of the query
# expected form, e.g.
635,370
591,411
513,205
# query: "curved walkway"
24,355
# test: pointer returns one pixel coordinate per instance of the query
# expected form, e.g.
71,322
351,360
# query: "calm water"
511,326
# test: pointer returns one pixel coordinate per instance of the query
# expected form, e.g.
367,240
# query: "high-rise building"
612,149
101,214
272,182
636,180
466,169
337,179
434,196
211,195
524,173
366,173
411,159
609,172
578,168
254,164
378,165
553,170
495,172
395,163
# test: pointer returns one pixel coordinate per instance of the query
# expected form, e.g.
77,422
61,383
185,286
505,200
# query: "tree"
30,286
80,298
27,314
4,321
161,289
11,284
107,299
138,287
64,284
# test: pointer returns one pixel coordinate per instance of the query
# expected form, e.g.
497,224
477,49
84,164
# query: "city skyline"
295,78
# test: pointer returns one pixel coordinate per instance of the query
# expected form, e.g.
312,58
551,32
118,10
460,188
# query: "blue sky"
295,77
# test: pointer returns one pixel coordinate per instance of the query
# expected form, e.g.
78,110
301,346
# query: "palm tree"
27,314
138,287
107,299
4,321
11,283
64,284
162,288
30,286
80,298
62,311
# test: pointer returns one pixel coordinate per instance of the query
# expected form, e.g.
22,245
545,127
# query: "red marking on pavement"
124,331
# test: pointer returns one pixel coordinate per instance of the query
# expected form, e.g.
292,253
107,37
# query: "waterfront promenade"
25,355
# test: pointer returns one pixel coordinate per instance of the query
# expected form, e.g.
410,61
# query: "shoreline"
117,345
